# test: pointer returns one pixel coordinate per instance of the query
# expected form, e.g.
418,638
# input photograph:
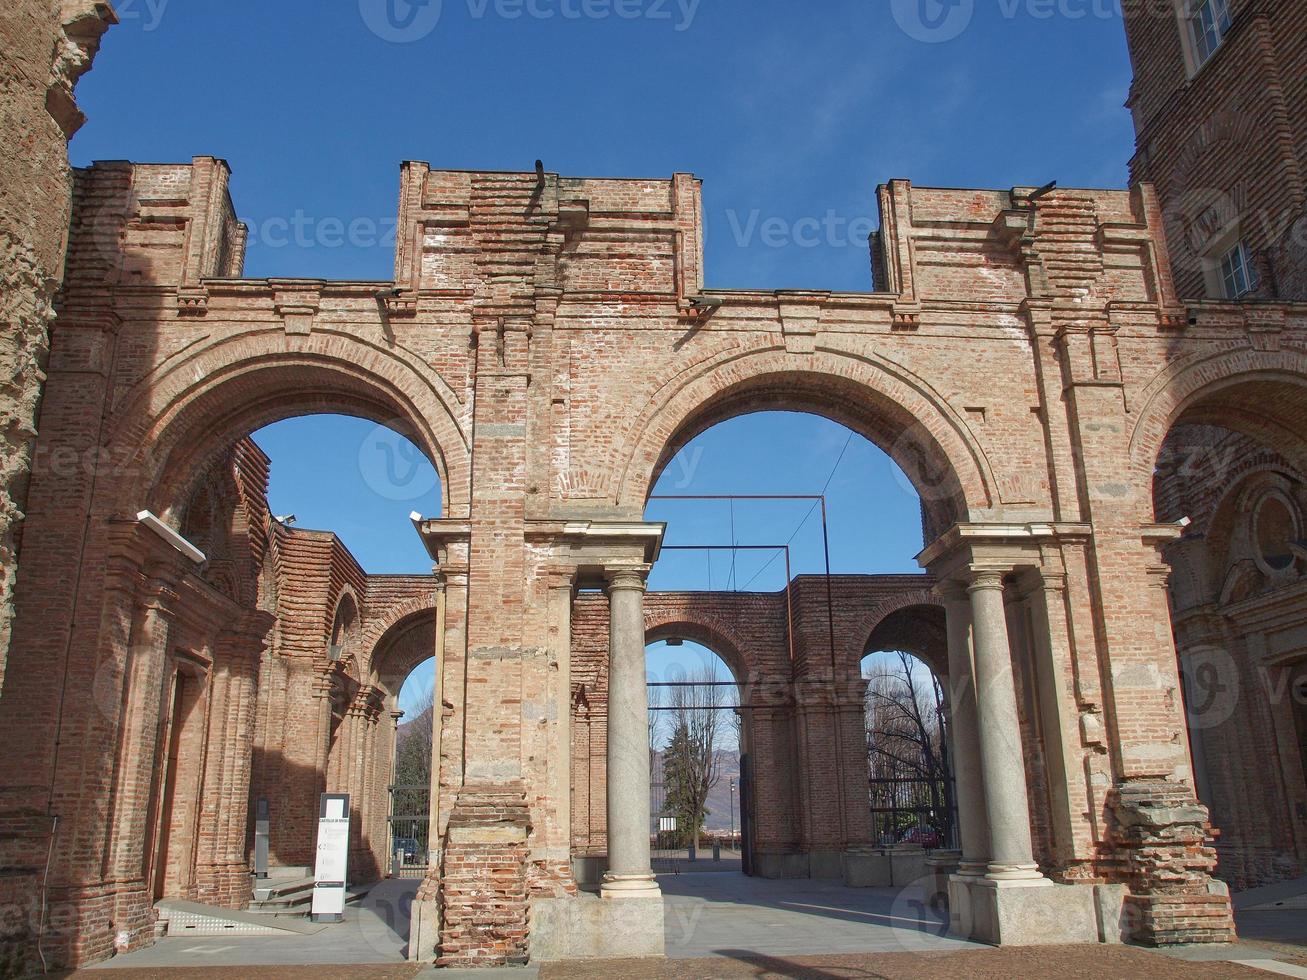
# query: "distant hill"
719,797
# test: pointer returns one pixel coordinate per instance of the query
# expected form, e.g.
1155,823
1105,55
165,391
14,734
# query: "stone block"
869,869
587,927
779,866
1032,913
826,864
1109,903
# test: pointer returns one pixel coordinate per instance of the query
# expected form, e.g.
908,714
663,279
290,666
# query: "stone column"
973,821
1011,856
630,872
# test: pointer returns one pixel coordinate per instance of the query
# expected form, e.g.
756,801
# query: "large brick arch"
196,404
1232,388
881,400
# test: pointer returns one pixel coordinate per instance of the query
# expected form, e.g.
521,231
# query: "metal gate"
913,811
409,822
671,853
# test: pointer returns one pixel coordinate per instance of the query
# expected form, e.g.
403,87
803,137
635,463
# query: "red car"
924,836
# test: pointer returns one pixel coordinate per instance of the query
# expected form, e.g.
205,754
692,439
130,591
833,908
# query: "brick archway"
706,631
1208,387
405,646
171,426
385,629
913,624
880,400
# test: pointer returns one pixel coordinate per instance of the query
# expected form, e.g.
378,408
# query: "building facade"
1220,109
1095,452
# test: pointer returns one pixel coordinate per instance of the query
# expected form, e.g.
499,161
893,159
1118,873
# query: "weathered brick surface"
1226,143
45,46
1023,361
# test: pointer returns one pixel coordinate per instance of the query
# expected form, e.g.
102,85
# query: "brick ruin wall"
50,44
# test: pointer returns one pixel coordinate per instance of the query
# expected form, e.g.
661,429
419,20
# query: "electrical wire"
811,511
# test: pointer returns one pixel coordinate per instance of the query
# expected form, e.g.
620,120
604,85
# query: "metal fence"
672,853
410,820
913,811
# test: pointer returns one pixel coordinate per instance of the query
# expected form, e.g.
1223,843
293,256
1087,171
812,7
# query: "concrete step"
270,889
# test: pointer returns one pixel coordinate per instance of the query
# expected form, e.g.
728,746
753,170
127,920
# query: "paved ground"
1061,963
375,931
728,915
726,925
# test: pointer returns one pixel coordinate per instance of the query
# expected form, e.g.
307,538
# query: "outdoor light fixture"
675,643
286,519
172,537
706,304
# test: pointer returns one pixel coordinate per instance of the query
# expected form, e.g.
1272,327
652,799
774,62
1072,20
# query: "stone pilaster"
973,819
630,873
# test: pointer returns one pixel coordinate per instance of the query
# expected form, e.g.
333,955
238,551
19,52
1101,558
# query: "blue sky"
791,112
788,110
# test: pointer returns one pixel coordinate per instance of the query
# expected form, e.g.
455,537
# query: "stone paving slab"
1059,962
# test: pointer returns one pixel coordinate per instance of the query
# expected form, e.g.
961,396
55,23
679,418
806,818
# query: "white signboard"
332,864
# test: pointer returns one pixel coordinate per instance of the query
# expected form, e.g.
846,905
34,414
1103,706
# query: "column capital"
628,577
982,579
950,590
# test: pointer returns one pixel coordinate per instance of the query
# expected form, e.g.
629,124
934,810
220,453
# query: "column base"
1014,872
630,886
1022,912
583,927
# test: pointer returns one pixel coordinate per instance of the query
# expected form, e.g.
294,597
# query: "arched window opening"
909,753
410,789
696,734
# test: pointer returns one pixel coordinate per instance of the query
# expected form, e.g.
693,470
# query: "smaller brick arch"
346,624
918,629
705,636
393,644
1260,393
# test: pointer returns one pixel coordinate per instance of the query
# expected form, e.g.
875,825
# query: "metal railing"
409,823
913,811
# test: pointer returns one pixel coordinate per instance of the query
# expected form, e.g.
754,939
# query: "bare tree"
907,734
413,745
690,764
